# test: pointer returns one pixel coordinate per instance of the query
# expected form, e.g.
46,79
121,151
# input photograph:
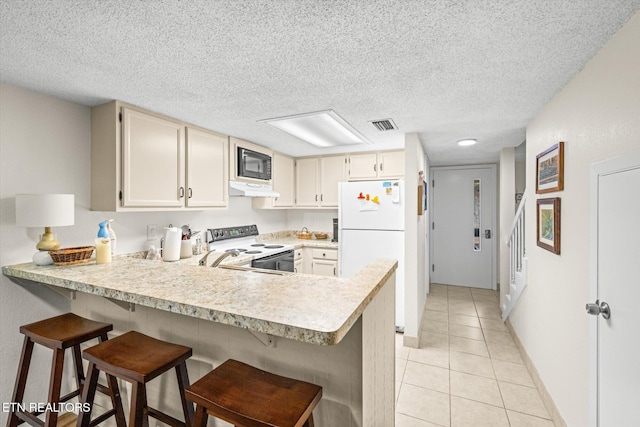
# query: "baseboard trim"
413,342
546,397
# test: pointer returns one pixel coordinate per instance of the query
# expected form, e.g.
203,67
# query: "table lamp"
45,210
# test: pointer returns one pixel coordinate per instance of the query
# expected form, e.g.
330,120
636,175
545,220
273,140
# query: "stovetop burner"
243,240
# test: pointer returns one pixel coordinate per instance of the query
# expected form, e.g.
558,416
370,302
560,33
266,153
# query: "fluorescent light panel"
322,129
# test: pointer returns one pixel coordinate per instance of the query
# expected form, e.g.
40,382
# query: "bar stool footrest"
102,417
162,417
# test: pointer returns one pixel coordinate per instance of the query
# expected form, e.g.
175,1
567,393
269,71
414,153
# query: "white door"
463,226
615,280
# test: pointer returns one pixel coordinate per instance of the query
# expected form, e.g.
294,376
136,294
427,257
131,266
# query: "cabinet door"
332,171
306,182
297,266
391,164
363,166
283,180
153,161
324,268
207,175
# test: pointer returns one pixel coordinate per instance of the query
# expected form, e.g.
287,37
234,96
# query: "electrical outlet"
151,232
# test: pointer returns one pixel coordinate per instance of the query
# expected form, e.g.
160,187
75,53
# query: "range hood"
249,189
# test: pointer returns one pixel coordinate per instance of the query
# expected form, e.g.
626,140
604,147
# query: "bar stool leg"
309,422
138,417
77,362
88,394
21,379
201,416
57,364
183,383
116,401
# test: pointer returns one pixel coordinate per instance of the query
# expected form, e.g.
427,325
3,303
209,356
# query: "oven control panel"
219,234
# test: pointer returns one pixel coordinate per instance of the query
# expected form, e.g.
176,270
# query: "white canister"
172,239
185,249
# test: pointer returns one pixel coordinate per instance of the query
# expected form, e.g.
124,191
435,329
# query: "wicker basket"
71,256
304,233
320,236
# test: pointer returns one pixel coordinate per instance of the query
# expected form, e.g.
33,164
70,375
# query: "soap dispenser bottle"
112,237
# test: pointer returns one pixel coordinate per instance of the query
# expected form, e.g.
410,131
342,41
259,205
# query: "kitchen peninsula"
335,332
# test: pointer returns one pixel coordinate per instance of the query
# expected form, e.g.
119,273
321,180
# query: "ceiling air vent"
384,125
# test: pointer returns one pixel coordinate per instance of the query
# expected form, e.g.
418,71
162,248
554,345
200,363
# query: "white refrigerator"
371,225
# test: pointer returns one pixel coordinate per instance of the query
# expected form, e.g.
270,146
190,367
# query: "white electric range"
243,239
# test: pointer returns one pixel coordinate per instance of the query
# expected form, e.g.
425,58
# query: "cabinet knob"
190,192
181,192
375,167
380,167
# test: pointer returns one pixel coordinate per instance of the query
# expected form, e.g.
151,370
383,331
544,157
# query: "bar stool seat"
57,333
138,359
249,397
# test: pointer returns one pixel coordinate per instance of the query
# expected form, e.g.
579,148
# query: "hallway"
467,371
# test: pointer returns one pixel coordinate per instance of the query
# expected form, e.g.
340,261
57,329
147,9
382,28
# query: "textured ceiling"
444,69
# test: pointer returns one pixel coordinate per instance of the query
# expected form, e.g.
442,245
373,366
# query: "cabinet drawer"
297,254
331,254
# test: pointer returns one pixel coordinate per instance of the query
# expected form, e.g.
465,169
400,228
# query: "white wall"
597,115
507,186
314,220
45,148
414,242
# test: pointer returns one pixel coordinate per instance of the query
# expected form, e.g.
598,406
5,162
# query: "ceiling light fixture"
321,128
466,142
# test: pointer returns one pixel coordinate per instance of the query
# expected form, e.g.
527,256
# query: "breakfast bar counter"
335,332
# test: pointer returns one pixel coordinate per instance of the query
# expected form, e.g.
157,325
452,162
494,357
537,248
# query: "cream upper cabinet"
283,181
363,166
384,164
207,185
332,171
145,161
307,182
153,161
317,180
391,164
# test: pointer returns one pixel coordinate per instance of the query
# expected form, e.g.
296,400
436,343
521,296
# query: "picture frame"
548,224
550,169
420,199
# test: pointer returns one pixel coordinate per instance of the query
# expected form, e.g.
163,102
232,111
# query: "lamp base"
48,241
42,258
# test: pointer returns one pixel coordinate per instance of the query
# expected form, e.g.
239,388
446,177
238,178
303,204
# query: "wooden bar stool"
138,359
58,333
249,397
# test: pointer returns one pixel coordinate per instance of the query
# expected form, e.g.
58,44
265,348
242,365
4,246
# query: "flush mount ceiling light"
322,129
466,142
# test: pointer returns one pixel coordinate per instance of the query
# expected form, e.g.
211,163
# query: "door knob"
487,234
599,308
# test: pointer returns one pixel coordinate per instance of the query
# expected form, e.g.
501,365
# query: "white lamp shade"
45,210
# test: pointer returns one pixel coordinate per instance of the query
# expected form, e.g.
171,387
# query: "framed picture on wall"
550,169
548,224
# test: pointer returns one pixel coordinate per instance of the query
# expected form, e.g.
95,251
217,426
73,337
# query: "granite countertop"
308,308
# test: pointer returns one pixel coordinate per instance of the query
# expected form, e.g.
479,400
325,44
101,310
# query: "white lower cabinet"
324,262
298,266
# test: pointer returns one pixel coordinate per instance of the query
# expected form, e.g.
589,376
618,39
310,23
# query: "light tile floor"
467,371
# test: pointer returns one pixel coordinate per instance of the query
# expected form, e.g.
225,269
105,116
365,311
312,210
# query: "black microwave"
252,164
